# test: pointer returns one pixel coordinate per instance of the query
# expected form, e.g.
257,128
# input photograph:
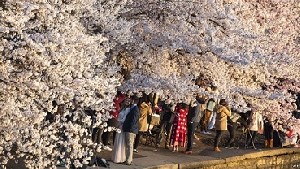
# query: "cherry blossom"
77,53
55,51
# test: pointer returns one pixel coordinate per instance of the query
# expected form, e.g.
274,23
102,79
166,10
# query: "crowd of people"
178,123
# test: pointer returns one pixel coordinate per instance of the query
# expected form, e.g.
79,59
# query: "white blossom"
56,51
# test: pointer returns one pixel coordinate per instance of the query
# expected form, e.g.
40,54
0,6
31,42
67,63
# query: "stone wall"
284,158
281,158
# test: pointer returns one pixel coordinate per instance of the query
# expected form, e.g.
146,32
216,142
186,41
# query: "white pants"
129,141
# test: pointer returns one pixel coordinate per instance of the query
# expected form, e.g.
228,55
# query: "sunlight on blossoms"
60,58
54,65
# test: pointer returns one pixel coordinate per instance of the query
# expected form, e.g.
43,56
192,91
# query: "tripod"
248,134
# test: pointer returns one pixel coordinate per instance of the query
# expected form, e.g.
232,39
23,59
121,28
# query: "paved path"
162,159
147,157
202,151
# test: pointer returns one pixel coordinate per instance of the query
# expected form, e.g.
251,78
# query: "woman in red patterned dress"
178,137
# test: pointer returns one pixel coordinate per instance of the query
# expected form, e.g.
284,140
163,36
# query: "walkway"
164,159
203,153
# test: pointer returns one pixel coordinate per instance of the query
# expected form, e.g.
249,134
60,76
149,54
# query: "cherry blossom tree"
240,46
73,53
55,51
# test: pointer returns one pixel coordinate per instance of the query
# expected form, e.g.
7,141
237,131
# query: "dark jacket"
131,123
195,114
191,114
166,112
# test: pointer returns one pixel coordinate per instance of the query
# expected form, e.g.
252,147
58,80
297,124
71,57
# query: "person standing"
193,119
119,150
178,137
232,126
256,123
131,128
221,122
166,123
211,103
212,120
268,131
145,110
113,121
291,138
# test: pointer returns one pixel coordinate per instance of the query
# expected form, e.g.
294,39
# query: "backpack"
100,162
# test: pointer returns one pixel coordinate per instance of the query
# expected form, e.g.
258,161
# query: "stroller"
153,130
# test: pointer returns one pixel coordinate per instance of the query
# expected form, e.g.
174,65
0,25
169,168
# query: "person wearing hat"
223,113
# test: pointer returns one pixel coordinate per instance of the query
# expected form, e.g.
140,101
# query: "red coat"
289,133
178,136
117,104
